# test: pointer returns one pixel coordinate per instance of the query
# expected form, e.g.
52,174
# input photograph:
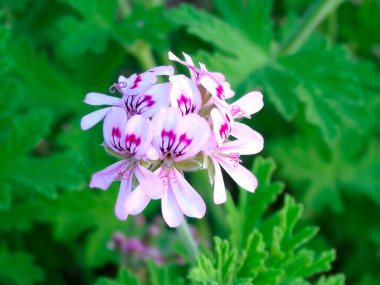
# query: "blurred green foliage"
320,124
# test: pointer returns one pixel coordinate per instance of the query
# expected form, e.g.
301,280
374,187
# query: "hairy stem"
143,53
124,7
314,16
188,239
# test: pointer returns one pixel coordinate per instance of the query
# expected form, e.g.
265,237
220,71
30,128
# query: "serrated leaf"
23,135
331,280
335,166
243,53
276,249
124,277
42,174
251,207
44,80
249,17
164,274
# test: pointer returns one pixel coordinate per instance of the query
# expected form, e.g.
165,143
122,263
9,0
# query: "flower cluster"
160,130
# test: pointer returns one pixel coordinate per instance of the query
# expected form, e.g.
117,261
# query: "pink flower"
131,140
228,157
176,138
227,153
132,86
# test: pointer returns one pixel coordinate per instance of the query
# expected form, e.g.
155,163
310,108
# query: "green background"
317,66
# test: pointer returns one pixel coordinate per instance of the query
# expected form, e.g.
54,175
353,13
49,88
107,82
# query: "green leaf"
124,277
275,251
164,274
18,268
41,174
252,206
94,219
243,53
339,174
331,280
22,136
50,87
219,269
252,17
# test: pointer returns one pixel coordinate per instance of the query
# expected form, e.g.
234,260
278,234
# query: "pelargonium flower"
161,130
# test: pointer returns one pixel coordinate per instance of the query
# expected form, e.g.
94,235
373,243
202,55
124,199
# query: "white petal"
219,189
238,173
242,131
150,182
188,63
189,201
243,146
162,70
151,154
171,212
136,201
249,104
97,99
124,191
105,177
93,118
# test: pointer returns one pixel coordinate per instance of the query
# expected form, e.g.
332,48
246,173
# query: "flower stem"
188,239
314,16
143,53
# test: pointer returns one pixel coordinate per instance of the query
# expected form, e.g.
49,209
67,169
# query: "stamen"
121,172
117,86
236,110
235,158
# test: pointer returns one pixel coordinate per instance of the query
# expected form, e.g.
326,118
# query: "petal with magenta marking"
221,124
113,129
185,94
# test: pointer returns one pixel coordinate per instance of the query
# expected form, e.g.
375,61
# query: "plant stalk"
188,239
314,16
